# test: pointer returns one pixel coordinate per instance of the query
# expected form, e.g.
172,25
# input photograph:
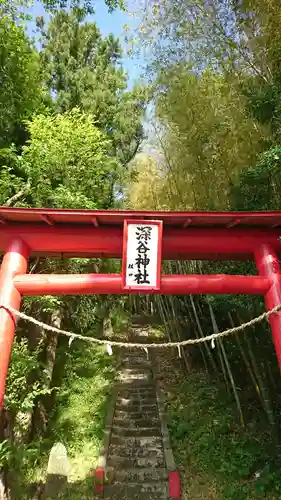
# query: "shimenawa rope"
115,343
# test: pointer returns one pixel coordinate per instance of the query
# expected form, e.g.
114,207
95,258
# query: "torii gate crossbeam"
186,235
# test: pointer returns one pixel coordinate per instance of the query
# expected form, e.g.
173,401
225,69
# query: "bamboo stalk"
221,358
178,335
200,345
162,316
207,348
262,385
227,364
247,363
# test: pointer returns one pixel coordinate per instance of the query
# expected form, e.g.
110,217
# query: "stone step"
136,400
138,488
124,451
130,423
135,353
141,386
136,394
136,407
136,384
135,415
149,382
139,475
133,369
136,468
140,432
135,362
137,369
136,442
137,358
120,462
134,372
129,372
133,377
118,492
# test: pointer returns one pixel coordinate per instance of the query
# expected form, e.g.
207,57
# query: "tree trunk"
40,416
52,340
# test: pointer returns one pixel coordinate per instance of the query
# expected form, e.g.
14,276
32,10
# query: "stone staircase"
136,467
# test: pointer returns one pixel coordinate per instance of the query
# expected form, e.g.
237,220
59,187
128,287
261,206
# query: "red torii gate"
84,233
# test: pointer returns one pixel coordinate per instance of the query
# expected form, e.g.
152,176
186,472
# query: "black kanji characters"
144,233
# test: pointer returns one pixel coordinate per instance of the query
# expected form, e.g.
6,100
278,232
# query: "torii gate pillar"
268,265
14,262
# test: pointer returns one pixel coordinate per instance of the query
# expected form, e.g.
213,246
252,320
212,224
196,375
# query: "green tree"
241,39
87,6
67,163
145,184
258,187
206,133
81,69
228,36
16,8
21,93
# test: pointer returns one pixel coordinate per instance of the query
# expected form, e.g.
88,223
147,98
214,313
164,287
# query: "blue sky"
107,23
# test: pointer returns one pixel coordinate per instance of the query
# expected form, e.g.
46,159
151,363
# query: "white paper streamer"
109,349
179,351
146,350
70,341
213,345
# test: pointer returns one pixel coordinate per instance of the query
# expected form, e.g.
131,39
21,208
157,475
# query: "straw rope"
208,338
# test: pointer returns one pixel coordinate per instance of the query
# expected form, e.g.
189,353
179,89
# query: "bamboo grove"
215,67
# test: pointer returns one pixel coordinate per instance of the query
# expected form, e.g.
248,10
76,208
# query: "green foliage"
16,8
119,316
20,82
83,379
204,132
211,449
258,187
86,6
67,125
78,64
21,393
207,135
83,69
84,376
68,162
5,453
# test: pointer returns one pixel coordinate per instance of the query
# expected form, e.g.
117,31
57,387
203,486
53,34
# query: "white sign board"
142,255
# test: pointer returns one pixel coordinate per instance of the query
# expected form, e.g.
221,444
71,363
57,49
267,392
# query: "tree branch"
134,152
18,195
230,42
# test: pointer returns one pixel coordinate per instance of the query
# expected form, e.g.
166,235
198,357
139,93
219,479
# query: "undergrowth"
217,458
84,374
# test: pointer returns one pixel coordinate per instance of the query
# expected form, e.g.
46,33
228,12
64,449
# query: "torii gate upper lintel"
84,233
